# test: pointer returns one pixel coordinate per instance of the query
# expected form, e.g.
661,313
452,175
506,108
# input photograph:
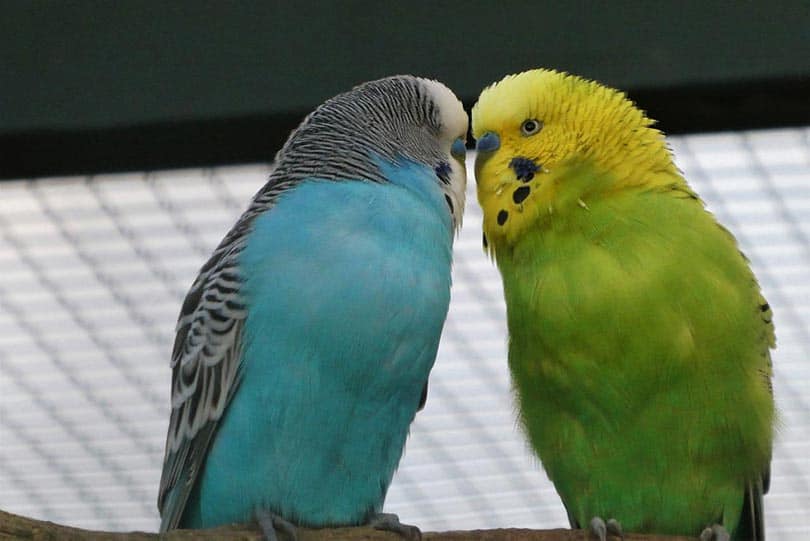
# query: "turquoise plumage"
332,349
305,345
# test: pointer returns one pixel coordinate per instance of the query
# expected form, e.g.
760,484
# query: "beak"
488,142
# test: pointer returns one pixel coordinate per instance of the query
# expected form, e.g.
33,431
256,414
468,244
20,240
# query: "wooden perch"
17,527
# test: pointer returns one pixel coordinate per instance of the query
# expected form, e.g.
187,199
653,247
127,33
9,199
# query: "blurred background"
132,134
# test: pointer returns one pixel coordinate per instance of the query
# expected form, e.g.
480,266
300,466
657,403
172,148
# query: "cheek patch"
443,171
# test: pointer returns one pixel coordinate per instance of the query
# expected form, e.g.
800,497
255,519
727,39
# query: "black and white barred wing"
206,358
205,374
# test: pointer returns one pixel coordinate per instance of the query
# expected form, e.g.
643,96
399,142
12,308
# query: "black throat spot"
524,168
520,194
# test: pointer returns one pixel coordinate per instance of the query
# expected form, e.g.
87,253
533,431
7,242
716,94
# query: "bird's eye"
531,126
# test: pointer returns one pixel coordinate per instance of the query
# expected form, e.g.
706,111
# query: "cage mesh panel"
94,271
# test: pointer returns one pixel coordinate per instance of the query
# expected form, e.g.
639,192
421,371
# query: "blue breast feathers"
348,285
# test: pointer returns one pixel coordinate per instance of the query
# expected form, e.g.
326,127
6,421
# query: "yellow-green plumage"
638,337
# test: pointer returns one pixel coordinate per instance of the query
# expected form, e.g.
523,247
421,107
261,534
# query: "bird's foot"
390,522
715,532
601,529
272,525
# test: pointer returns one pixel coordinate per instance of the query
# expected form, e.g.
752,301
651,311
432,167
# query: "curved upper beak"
488,142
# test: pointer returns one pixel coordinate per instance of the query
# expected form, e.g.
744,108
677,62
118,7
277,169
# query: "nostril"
459,149
524,168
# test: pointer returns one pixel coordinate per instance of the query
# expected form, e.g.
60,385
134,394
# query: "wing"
572,521
206,362
423,398
752,525
752,520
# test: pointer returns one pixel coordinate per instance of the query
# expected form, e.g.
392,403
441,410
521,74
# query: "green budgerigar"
639,341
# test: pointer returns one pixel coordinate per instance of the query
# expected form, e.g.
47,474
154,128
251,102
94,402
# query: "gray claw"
715,532
269,523
614,527
601,529
598,528
390,522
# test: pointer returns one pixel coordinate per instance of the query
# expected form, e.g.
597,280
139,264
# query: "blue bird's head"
397,120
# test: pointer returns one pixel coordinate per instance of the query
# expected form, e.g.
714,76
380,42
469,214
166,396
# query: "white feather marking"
454,125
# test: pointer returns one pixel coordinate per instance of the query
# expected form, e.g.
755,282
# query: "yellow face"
536,131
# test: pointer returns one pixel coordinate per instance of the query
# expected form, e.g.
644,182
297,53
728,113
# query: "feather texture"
338,345
638,337
366,182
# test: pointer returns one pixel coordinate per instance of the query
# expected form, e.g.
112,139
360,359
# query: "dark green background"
99,86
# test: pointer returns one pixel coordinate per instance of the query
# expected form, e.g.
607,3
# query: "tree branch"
23,528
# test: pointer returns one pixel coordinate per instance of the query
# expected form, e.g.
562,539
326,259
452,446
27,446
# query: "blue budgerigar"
304,346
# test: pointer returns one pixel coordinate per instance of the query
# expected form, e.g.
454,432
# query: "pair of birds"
638,337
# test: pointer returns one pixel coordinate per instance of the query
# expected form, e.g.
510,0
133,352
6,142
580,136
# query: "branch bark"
23,528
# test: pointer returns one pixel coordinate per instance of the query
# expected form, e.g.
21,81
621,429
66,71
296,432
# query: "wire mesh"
94,270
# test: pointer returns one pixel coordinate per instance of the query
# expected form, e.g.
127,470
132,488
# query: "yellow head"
549,141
